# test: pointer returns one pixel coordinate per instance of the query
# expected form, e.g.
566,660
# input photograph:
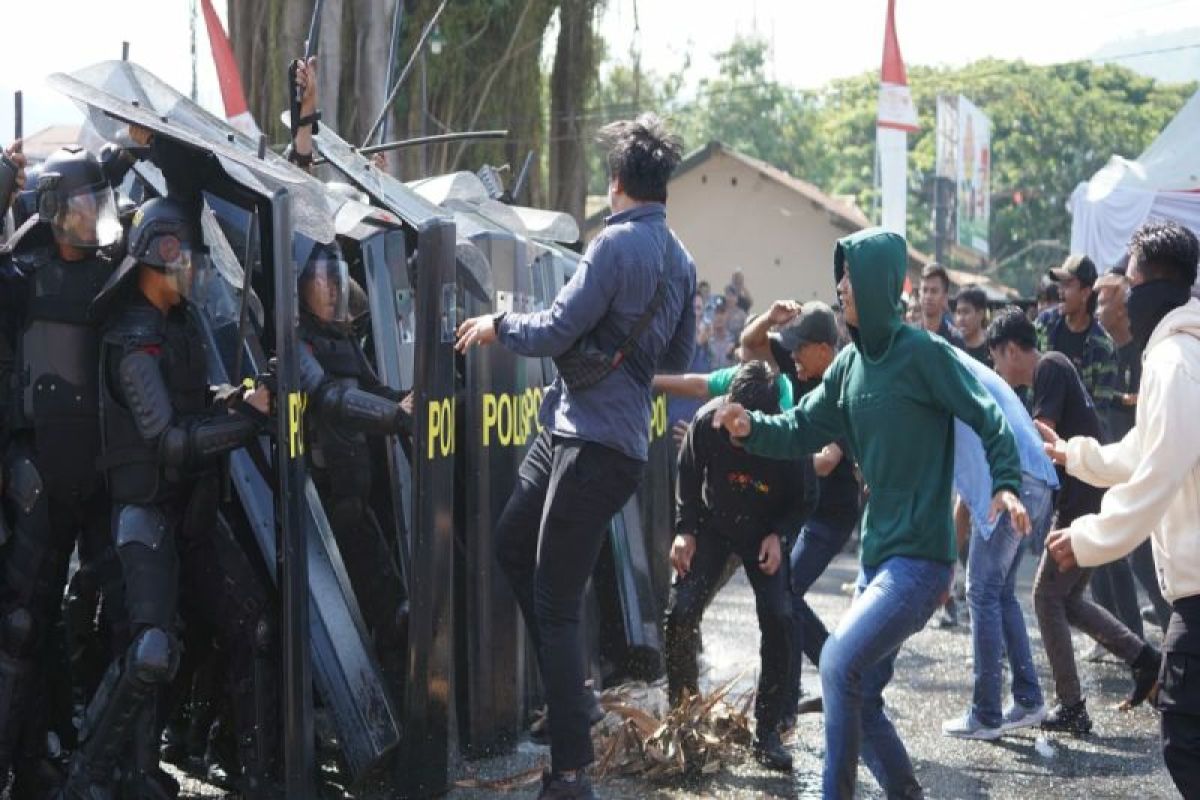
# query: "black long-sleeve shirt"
746,497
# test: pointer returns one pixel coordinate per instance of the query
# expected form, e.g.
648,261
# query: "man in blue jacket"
588,459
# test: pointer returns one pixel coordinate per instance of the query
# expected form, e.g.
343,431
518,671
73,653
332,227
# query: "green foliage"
1052,127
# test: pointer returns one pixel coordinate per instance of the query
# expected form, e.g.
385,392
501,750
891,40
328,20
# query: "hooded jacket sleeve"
1168,428
959,392
1103,465
813,423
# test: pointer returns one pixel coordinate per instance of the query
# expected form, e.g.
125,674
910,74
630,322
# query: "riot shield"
343,665
425,310
500,396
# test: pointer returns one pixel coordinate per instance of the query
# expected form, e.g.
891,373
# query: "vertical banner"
897,116
974,176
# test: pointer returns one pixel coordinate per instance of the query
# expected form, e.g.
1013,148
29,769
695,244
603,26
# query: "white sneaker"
1018,716
968,727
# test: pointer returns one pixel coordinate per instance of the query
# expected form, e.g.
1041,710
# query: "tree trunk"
570,84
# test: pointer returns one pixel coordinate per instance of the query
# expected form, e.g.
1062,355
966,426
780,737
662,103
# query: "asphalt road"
1120,759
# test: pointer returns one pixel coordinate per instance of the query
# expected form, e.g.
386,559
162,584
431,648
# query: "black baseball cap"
815,324
1079,267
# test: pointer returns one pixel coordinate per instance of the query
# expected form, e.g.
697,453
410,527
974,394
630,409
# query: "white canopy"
1163,183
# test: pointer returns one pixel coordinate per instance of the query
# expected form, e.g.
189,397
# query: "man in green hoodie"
893,397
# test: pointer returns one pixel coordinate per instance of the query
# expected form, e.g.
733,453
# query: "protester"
729,502
589,458
808,340
722,341
997,624
744,301
892,372
737,315
1047,297
1061,403
970,315
1071,329
935,309
680,406
1112,290
1154,473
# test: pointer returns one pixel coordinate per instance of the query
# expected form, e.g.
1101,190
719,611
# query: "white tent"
1163,183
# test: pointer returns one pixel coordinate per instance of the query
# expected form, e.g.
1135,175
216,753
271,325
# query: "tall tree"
570,85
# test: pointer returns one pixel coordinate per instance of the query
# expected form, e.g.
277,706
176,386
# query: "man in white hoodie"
1154,475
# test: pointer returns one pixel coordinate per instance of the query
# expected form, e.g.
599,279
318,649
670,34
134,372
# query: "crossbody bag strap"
643,322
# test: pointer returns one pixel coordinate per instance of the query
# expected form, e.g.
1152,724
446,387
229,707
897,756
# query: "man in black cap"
808,340
1071,328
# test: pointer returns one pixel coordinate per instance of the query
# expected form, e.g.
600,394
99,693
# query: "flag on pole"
237,111
896,109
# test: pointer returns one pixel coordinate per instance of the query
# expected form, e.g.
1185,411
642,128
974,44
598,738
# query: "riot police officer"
347,403
163,435
50,272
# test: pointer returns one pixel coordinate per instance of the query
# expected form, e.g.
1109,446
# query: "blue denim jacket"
608,293
972,478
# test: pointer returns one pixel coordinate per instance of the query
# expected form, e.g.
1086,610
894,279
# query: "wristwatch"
496,320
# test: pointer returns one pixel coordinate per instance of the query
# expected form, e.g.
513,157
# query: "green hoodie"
894,396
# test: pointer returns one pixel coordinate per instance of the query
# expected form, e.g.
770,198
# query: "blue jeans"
894,600
819,541
997,625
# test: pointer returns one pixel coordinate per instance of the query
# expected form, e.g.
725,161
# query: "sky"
813,42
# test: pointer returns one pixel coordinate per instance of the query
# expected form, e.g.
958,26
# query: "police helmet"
74,196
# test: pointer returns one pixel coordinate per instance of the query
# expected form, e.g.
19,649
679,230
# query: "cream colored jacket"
1154,471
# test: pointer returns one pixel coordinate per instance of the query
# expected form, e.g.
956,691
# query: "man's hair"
1165,250
1011,325
642,154
754,387
939,272
974,297
702,284
1048,291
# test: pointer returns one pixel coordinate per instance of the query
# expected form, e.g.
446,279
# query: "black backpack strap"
643,322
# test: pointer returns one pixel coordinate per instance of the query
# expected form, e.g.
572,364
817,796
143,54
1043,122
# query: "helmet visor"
87,217
325,288
174,258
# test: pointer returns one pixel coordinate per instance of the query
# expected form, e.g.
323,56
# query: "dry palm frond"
698,736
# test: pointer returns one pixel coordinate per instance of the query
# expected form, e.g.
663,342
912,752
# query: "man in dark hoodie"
730,502
893,374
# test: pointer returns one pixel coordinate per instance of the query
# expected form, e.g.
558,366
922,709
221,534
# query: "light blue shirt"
972,478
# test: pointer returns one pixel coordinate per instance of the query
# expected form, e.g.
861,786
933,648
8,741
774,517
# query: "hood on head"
877,260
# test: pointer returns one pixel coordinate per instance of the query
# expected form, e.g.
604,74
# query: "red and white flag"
896,109
237,111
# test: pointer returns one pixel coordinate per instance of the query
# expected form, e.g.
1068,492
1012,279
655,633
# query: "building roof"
843,214
40,145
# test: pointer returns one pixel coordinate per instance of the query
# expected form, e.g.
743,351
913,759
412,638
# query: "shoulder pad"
135,328
34,237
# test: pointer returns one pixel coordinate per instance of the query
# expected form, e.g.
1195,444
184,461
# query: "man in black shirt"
1061,403
935,297
970,315
731,502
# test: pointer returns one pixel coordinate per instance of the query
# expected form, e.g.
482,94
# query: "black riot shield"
425,311
343,665
499,400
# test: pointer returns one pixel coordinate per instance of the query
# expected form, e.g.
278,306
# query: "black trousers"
1179,697
772,601
547,543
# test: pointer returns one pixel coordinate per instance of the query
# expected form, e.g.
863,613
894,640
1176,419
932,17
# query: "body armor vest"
132,463
55,371
340,458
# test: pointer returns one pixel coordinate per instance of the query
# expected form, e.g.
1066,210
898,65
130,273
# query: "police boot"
16,680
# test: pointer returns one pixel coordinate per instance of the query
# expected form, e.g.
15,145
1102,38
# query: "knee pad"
153,657
17,632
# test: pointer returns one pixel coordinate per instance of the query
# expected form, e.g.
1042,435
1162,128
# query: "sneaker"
969,727
1145,678
1018,716
947,617
811,705
1069,719
770,752
557,787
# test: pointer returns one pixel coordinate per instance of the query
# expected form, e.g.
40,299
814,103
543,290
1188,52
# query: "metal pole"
124,51
397,26
404,72
424,115
293,569
18,116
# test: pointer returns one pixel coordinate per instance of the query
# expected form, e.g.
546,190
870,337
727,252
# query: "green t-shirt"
720,381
